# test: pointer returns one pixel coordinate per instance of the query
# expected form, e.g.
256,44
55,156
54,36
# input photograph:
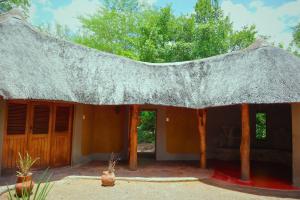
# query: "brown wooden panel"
11,147
61,136
60,150
15,138
39,148
39,134
32,128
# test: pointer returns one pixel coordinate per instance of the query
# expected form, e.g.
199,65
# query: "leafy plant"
24,164
40,193
261,126
146,128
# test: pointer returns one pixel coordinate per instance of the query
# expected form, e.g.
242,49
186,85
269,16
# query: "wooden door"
40,133
15,133
61,135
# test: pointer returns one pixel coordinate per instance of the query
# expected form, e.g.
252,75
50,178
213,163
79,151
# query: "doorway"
147,134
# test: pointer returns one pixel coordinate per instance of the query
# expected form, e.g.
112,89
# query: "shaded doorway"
270,145
147,134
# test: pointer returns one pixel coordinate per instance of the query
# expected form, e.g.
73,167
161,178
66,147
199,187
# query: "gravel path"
71,189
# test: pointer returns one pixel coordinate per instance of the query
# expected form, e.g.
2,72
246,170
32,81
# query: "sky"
274,18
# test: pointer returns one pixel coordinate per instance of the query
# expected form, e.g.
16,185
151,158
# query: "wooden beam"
245,143
134,119
201,118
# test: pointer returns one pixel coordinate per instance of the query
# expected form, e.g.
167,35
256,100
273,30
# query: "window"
16,118
261,126
41,116
62,119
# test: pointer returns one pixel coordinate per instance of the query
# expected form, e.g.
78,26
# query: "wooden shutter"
41,117
16,118
62,119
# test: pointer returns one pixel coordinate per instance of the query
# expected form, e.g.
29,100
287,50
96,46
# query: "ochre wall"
87,129
103,129
296,142
181,131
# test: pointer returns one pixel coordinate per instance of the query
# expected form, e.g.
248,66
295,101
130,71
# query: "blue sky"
273,18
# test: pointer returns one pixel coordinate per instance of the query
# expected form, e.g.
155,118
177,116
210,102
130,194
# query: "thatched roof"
37,66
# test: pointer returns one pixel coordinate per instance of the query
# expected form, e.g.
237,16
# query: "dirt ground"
146,147
71,189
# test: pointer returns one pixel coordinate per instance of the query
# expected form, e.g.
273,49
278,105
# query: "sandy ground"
71,189
146,147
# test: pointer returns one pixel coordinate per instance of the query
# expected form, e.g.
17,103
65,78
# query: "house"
68,104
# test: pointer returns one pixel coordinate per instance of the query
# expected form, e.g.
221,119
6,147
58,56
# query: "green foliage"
146,128
157,35
39,193
243,38
261,126
111,29
296,35
6,5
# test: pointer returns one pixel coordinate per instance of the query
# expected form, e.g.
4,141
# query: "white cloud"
275,22
146,3
68,15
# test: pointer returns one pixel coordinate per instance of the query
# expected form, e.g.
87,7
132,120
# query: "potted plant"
108,177
40,193
24,176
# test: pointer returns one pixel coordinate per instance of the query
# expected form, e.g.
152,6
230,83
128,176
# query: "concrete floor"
146,168
206,187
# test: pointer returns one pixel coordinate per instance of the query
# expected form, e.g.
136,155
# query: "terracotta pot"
108,178
24,184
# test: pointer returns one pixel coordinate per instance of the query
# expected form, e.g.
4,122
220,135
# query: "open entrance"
270,146
147,134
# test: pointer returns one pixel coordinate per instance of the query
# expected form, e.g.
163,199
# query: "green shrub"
146,128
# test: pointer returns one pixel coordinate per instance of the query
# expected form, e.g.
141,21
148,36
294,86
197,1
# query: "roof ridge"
15,13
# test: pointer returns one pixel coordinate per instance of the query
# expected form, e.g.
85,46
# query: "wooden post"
134,119
245,143
201,118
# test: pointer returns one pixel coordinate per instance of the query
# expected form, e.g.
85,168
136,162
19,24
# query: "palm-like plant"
24,164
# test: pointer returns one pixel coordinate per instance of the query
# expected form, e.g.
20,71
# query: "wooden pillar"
201,118
245,143
134,119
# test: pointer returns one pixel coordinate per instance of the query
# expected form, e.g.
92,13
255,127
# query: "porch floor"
263,175
147,167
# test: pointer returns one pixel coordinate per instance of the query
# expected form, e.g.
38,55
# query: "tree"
157,35
6,5
163,37
214,32
112,28
296,35
243,38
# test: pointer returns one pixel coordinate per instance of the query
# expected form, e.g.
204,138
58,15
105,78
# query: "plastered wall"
98,131
2,107
103,129
296,143
181,131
